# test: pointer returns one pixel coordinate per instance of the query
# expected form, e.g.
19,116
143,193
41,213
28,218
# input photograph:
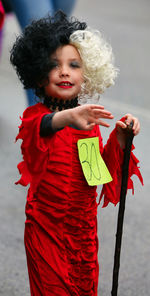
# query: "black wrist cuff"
46,125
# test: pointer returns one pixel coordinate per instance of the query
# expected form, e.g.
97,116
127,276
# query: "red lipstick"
65,84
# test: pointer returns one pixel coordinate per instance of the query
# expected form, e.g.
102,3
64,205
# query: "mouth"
65,84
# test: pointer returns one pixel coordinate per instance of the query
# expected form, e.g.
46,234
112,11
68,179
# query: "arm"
113,156
82,117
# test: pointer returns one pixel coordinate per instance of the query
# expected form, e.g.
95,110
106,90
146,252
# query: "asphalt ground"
126,25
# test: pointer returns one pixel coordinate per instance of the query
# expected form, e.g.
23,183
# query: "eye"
75,64
53,64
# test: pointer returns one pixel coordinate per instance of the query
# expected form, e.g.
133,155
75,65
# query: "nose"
64,71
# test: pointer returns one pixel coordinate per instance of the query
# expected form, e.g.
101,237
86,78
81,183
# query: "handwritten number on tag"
93,166
88,160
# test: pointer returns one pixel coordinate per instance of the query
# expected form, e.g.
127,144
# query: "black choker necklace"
58,104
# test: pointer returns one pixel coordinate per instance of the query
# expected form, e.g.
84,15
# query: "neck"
58,104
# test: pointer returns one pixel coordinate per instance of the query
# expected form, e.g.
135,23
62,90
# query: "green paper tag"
93,166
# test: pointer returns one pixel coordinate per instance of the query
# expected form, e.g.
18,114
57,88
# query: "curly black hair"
30,54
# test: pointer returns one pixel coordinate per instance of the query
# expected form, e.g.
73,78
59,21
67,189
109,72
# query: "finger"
89,126
121,124
136,123
124,125
102,113
98,120
128,118
107,116
103,123
92,106
136,127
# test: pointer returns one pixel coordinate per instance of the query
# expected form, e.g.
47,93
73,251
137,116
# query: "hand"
121,128
86,116
83,117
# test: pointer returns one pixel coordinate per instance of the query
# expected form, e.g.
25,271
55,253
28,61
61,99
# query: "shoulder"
35,110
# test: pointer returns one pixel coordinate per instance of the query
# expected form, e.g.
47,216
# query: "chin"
66,97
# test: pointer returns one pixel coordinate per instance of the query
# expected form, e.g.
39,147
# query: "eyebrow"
74,59
71,59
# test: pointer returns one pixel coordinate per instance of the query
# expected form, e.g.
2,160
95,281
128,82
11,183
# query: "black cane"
121,210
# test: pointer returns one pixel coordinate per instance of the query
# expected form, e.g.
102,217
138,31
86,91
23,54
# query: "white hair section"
97,58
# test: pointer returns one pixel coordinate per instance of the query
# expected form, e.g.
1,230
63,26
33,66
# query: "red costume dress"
61,226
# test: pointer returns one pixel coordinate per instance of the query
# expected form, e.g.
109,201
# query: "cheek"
49,86
52,80
50,77
53,75
79,78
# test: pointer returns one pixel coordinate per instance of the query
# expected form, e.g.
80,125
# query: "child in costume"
65,63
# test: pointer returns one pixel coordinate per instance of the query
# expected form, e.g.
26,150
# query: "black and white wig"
32,50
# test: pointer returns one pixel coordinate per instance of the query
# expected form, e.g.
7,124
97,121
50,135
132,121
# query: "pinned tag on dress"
93,166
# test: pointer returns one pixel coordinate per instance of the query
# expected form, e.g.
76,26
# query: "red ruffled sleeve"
34,148
113,156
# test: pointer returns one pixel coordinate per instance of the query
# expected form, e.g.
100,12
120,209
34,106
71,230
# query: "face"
66,76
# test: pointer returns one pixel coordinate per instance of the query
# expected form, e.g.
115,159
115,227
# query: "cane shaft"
121,213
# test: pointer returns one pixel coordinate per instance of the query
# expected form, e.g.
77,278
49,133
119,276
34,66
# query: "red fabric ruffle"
34,148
